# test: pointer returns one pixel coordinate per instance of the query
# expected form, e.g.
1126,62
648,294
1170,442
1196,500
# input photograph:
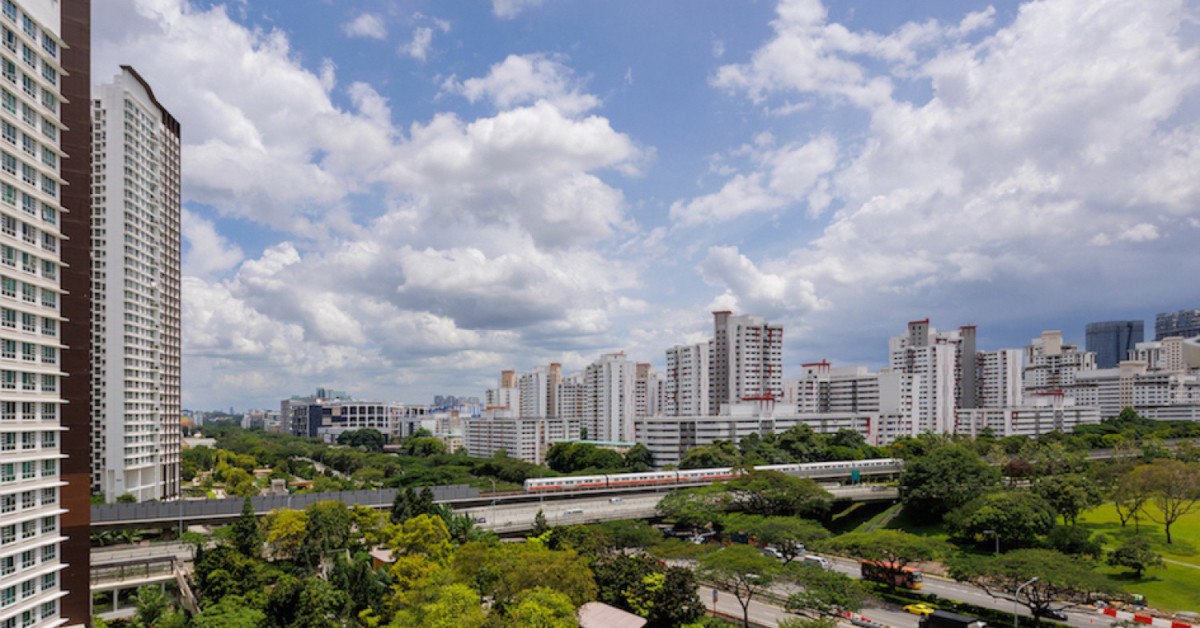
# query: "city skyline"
837,169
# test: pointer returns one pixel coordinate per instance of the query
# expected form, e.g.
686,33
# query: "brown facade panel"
76,308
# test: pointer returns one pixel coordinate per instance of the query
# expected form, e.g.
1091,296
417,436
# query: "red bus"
905,577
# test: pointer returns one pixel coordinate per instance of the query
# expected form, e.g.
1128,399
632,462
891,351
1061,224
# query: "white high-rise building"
1051,365
31,301
534,394
135,292
685,387
608,398
746,360
934,361
999,378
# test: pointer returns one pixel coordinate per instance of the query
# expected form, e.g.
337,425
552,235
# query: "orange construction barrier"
1179,624
1111,612
1143,619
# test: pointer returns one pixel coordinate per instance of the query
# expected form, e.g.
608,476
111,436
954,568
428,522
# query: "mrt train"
814,470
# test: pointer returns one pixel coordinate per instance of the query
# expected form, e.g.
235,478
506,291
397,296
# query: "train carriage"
706,475
648,478
571,483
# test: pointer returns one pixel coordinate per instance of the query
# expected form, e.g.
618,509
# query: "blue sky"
402,198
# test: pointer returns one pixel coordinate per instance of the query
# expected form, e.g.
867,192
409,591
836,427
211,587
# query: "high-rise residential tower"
1185,323
135,292
36,130
1112,341
746,360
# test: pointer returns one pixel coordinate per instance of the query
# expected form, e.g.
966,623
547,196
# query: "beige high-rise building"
135,292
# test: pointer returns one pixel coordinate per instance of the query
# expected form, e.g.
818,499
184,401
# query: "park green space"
1173,587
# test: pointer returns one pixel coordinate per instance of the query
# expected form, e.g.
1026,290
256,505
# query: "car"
1052,613
771,552
816,561
919,609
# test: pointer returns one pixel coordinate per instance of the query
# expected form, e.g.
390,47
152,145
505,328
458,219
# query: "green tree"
541,607
285,532
246,536
944,479
151,606
328,529
437,604
742,570
824,591
1060,578
1136,555
540,526
639,458
894,549
1129,498
694,509
1074,540
1069,494
502,571
1018,518
1174,488
772,493
424,534
719,454
126,498
230,612
806,622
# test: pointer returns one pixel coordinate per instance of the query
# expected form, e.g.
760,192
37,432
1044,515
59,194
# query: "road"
942,587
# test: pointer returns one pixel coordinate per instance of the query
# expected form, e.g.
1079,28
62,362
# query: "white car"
816,561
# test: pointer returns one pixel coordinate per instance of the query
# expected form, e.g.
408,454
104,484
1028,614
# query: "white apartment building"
668,438
30,319
135,292
935,362
1051,365
525,438
570,394
1044,412
534,393
1133,385
999,378
746,360
685,387
608,398
647,386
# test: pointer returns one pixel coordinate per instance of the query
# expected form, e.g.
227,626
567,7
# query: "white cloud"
419,46
366,25
524,79
750,289
508,9
206,251
1030,146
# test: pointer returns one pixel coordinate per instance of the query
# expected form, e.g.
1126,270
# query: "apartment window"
49,524
49,214
49,130
10,10
49,468
50,74
8,318
8,163
8,503
49,243
29,87
50,580
8,472
49,158
29,440
9,132
49,383
8,441
28,26
28,411
49,412
8,534
49,496
8,349
28,589
29,291
28,559
8,565
29,382
50,300
50,187
49,354
28,322
8,194
28,144
9,596
28,56
9,69
49,327
49,609
29,204
8,380
28,470
8,411
29,529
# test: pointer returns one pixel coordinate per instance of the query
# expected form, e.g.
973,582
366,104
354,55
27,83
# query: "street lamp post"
997,536
1017,600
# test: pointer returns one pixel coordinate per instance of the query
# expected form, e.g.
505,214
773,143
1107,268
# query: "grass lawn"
1173,587
857,516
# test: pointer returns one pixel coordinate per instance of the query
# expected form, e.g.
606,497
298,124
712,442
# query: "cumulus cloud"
484,235
422,41
523,79
366,25
1028,147
751,289
206,252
